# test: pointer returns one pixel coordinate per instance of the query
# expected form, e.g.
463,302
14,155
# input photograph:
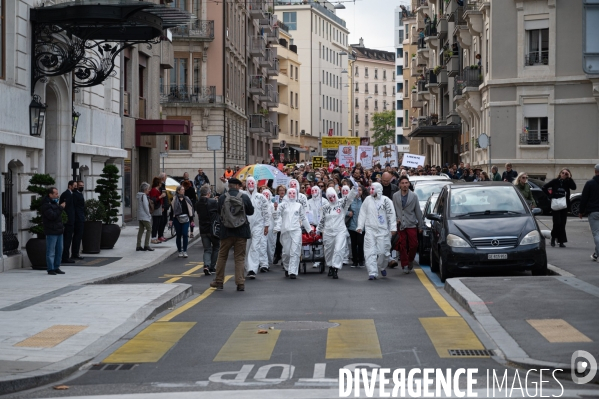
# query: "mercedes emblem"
495,243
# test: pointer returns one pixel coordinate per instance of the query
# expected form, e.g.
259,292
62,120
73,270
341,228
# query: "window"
405,119
376,73
291,128
538,46
2,29
376,89
357,104
535,131
385,90
366,104
376,105
365,72
399,104
365,119
296,73
180,143
356,89
291,99
365,87
385,74
290,19
296,128
296,101
179,72
291,71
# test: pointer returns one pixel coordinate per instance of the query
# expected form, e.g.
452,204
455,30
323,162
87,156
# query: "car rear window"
425,190
473,201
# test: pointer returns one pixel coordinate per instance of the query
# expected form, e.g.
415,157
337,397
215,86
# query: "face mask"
292,194
372,191
80,189
251,183
266,194
55,200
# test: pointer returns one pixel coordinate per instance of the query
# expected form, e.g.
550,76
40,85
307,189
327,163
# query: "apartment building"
407,80
372,86
222,83
512,77
399,15
288,111
321,40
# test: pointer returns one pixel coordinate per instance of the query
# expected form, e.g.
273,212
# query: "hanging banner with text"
336,141
413,161
388,155
347,155
365,154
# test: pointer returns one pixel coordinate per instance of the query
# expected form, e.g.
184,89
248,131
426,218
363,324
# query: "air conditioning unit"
303,132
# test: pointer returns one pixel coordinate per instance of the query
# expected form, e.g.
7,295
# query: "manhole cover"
300,325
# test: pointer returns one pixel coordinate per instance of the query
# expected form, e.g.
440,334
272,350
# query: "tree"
383,128
109,197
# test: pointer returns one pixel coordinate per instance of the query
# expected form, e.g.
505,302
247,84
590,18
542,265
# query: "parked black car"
539,195
424,240
486,226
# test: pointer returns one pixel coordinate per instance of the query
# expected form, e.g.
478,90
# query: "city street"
212,343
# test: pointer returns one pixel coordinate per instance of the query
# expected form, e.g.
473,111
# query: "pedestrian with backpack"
233,208
209,220
181,216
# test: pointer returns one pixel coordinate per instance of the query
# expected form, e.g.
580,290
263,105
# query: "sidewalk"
540,321
51,325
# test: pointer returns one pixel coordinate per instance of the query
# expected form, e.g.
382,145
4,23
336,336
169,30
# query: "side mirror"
434,216
537,211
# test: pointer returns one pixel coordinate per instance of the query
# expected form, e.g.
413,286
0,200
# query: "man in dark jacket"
200,180
69,227
510,174
53,229
589,205
79,204
388,188
207,210
236,238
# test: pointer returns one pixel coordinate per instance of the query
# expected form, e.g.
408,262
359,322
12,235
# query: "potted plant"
95,213
36,247
437,70
109,197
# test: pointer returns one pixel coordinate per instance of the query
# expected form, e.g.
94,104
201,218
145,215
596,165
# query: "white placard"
412,161
388,155
403,148
365,154
376,161
347,155
280,179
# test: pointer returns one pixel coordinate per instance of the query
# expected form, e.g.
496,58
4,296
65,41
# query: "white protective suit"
332,227
301,198
315,204
255,257
344,193
269,244
377,219
288,217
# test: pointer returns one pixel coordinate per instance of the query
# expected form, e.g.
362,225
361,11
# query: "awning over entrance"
299,149
435,131
158,127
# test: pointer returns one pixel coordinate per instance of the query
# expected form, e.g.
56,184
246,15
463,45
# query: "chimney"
361,42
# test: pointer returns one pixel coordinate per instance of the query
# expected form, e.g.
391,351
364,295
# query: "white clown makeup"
345,191
292,194
331,195
251,184
315,192
266,193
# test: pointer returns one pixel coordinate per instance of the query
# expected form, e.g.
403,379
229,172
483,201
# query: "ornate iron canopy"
86,36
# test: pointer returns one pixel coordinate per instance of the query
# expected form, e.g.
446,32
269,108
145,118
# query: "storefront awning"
299,149
160,127
435,131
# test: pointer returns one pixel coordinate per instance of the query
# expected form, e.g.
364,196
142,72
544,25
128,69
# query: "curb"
509,348
62,369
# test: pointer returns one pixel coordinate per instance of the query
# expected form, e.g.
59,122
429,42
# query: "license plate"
497,256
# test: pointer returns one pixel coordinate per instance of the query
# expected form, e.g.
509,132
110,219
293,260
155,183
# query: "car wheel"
575,207
443,272
433,260
423,257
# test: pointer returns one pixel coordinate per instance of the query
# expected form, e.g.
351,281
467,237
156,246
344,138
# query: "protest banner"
347,155
388,155
336,141
365,154
279,179
412,161
317,162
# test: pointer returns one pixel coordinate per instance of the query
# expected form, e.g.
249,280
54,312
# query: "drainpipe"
121,115
1,248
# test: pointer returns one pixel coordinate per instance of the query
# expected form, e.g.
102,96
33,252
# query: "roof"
373,54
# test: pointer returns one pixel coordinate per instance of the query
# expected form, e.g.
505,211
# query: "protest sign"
412,161
336,141
365,154
347,155
388,155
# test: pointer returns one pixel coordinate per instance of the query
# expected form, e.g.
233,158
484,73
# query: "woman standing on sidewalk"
143,217
190,193
521,184
181,215
559,188
158,198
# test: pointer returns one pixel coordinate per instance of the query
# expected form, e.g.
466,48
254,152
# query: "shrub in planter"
36,247
109,197
92,230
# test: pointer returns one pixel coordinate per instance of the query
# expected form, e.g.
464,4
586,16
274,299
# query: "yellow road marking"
50,337
187,273
151,344
245,344
438,298
558,330
450,333
190,304
353,339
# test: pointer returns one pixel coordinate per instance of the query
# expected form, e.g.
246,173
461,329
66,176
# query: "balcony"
273,101
453,66
442,28
415,102
257,123
187,94
430,29
269,55
430,127
257,8
127,103
414,67
257,83
472,77
535,138
268,125
266,22
537,58
142,108
442,77
453,119
257,46
458,86
274,69
199,29
275,132
274,36
267,95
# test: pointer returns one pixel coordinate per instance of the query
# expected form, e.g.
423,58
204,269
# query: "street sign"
214,143
282,144
483,141
164,155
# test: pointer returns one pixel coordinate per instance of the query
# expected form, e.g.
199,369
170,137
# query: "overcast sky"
372,20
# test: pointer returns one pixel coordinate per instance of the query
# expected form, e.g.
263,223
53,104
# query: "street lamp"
37,114
75,122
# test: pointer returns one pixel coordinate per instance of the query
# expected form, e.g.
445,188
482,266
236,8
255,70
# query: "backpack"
233,211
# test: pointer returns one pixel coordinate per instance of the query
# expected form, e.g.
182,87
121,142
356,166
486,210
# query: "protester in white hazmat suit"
315,204
288,216
332,227
301,198
269,244
377,216
344,193
259,223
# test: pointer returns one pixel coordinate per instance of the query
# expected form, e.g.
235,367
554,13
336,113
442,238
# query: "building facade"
321,40
373,86
400,15
222,82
